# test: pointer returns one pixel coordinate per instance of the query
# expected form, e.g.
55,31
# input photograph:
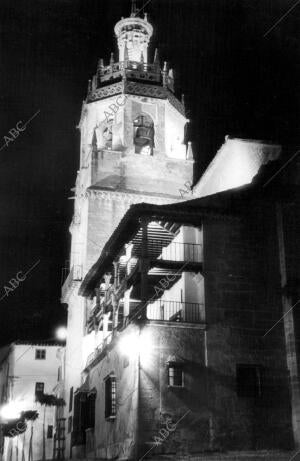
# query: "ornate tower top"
133,36
133,72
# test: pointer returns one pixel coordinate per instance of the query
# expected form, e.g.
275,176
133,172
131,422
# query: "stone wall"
243,301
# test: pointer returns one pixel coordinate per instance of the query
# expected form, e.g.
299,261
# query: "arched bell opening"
143,140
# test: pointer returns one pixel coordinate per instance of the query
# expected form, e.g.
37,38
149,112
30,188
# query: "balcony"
95,354
178,251
75,275
176,311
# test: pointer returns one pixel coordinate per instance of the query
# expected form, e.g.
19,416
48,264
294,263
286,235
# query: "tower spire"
133,8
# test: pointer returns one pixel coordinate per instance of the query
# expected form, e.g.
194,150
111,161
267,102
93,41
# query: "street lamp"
10,410
61,333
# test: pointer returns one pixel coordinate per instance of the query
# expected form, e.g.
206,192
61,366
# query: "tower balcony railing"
75,275
176,311
131,68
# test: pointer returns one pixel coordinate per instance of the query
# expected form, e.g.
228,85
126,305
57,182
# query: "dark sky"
236,81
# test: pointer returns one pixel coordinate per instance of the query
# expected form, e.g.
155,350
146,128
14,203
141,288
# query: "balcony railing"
176,311
98,350
75,275
132,68
176,251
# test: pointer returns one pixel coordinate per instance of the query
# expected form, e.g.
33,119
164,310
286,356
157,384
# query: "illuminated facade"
165,324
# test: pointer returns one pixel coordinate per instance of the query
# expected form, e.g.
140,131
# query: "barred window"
110,397
175,374
39,390
71,399
70,420
49,432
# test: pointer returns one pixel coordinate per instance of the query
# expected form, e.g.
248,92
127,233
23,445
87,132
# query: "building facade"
29,370
169,299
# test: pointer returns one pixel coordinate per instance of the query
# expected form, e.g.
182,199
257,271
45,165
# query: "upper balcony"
106,81
74,277
129,69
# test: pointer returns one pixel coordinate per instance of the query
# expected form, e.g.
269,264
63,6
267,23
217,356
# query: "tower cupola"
133,34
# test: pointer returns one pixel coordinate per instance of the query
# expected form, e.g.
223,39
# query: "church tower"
132,150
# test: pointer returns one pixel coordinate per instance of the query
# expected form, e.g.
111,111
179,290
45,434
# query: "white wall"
25,371
234,165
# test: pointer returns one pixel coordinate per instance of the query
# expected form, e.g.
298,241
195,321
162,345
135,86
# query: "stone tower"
132,150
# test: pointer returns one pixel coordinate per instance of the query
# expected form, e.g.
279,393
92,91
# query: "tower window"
143,135
248,380
40,354
175,374
110,397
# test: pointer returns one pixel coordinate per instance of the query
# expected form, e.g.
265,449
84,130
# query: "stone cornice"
136,89
96,194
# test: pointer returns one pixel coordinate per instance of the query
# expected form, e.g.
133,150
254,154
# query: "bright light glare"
129,344
134,344
10,410
61,333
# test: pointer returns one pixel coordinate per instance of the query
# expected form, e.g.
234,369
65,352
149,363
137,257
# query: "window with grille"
71,399
248,380
49,432
175,374
110,397
40,354
39,390
70,424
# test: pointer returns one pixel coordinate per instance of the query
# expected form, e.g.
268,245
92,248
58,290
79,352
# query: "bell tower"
132,150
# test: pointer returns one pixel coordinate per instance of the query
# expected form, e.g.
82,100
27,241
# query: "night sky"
236,82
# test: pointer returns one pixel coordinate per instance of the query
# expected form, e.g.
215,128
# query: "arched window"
143,135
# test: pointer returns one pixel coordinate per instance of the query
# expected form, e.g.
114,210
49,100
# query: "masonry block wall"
180,413
243,301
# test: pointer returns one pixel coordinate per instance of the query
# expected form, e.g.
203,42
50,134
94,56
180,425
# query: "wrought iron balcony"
176,311
173,251
183,252
75,275
98,350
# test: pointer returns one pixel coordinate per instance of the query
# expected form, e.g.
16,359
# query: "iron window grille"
110,397
175,374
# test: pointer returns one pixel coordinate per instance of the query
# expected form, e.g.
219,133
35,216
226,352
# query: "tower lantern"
135,34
